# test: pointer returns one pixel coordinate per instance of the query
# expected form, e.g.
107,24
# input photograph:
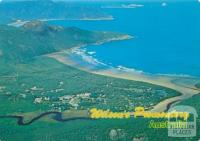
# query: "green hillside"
38,38
32,84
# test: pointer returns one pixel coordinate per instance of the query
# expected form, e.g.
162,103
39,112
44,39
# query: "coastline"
80,19
19,23
177,83
165,81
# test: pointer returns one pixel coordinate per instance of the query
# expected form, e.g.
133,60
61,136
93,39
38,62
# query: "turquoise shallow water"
167,38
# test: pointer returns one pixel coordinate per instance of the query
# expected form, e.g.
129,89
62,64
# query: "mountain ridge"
39,38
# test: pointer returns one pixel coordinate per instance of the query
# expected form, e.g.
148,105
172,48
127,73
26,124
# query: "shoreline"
180,84
164,81
160,80
19,23
80,19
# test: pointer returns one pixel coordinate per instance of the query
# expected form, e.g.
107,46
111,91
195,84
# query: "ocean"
166,37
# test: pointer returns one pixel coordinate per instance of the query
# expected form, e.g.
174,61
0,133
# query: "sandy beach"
164,81
173,82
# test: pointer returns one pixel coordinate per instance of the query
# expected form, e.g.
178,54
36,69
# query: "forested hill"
38,38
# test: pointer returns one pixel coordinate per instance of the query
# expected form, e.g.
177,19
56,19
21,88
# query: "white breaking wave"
87,58
18,23
91,52
95,62
132,70
175,75
125,69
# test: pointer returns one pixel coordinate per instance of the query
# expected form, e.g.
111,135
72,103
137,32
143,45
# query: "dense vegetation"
194,102
31,83
45,78
37,38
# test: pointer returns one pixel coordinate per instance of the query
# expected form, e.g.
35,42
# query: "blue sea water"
166,37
